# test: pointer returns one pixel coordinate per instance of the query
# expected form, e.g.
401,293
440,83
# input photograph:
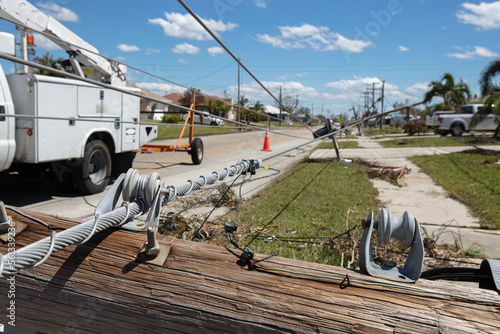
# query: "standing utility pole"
281,103
382,101
239,105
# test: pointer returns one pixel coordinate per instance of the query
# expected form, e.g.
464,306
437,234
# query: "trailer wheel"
197,151
456,130
92,175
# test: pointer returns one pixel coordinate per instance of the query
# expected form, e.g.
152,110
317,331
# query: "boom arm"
24,14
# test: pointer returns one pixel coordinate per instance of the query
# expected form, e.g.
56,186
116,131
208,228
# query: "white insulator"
400,228
140,186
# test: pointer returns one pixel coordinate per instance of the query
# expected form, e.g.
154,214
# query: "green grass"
471,178
342,144
434,142
310,203
386,130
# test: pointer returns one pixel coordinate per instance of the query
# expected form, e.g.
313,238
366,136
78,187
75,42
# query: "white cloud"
185,26
152,51
186,48
300,75
254,91
484,15
183,61
350,89
44,43
57,12
403,48
214,51
478,51
283,77
316,38
260,3
418,89
127,48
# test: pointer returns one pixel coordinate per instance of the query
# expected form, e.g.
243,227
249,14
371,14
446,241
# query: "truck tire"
442,132
122,162
196,150
214,123
456,130
92,175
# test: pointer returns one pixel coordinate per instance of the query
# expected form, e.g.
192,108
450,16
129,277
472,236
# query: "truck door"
490,123
7,124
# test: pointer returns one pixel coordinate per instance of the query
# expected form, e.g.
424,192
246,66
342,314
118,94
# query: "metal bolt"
152,246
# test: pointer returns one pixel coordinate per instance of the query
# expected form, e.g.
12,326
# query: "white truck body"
41,140
7,125
458,123
81,131
431,121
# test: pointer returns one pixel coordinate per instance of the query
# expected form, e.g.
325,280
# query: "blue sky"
325,52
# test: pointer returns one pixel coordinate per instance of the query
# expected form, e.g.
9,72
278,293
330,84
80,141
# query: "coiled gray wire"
37,252
34,253
201,182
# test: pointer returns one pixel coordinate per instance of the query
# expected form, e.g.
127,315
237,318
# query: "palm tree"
211,105
453,95
48,60
242,103
491,92
259,110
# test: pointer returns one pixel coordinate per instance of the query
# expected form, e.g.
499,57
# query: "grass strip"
342,144
473,178
434,142
307,206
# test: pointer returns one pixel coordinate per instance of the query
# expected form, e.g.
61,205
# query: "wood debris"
393,175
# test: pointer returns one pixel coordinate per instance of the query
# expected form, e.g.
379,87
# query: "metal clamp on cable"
405,229
247,256
251,168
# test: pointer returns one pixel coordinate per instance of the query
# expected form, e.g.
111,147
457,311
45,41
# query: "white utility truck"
458,123
80,131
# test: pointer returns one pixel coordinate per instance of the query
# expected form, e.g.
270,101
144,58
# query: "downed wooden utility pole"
99,287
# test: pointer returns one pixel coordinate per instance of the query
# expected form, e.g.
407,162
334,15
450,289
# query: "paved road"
436,211
221,151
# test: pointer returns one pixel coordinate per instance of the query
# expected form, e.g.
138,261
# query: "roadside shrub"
412,128
171,118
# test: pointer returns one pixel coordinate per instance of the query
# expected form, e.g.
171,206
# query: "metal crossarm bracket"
405,229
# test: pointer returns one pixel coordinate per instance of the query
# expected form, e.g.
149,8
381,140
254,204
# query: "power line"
214,36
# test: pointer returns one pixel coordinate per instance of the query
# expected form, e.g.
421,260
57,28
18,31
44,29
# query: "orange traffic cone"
266,141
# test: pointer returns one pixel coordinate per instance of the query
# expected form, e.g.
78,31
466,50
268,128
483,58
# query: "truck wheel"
214,123
196,151
442,132
92,175
122,162
456,130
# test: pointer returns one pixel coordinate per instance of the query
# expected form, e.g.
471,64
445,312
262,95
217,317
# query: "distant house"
201,104
303,118
147,106
275,113
175,98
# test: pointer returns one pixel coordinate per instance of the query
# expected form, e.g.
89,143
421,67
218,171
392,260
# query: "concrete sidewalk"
440,215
